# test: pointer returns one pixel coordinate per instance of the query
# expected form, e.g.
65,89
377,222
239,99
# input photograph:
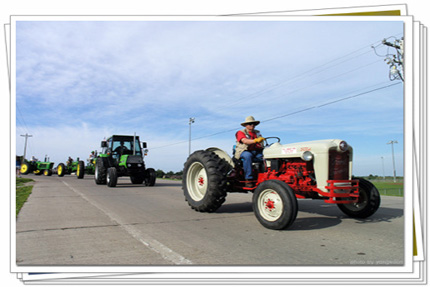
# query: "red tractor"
316,169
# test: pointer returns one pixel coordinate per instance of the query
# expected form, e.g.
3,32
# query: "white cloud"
88,80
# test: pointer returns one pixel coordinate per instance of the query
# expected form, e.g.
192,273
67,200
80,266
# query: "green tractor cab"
70,167
37,167
122,155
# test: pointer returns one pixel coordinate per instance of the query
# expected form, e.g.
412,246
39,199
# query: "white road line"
145,239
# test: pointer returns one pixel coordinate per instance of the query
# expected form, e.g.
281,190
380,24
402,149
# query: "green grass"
22,192
389,188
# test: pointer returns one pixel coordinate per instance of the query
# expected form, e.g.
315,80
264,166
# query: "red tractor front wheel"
275,204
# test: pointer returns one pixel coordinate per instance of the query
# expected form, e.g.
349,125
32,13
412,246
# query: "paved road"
70,221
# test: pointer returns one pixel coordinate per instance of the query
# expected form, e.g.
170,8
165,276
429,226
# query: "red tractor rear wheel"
205,181
368,201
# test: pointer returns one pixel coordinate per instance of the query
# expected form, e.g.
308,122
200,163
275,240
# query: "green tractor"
70,167
89,168
122,155
37,167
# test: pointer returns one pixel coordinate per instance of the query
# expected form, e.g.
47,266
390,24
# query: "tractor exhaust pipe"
134,144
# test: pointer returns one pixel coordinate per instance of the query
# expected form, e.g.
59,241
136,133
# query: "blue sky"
80,81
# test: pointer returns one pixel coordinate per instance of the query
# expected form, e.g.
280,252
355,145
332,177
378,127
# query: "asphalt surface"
74,222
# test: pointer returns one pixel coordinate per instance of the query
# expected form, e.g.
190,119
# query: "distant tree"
160,173
170,174
371,176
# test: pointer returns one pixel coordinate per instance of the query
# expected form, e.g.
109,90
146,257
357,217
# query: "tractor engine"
297,173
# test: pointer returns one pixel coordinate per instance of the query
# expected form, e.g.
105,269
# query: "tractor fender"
222,154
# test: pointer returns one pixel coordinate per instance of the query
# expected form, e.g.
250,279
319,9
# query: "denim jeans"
248,158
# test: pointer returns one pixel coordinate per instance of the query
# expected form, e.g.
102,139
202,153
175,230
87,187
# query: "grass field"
389,188
22,192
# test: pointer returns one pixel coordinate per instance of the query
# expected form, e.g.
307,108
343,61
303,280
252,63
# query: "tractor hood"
293,150
316,151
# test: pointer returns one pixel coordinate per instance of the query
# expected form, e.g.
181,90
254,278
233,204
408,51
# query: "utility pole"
25,146
383,169
392,150
394,60
189,145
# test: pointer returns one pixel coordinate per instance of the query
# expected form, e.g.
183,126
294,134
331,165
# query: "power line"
290,114
331,102
22,118
308,72
331,78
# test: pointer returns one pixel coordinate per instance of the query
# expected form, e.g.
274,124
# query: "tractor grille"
338,165
134,159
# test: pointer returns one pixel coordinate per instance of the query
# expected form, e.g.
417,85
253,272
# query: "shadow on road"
383,214
335,217
235,208
174,183
129,185
327,215
313,223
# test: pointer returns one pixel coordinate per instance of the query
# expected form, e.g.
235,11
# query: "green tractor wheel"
151,176
61,169
80,169
25,168
111,177
37,172
100,172
47,172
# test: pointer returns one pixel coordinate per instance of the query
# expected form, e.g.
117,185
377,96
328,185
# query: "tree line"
172,175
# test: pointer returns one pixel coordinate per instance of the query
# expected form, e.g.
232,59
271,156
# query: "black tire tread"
373,202
101,179
81,172
113,177
151,176
290,204
216,170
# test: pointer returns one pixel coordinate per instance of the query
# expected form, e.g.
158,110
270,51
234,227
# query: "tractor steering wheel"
267,142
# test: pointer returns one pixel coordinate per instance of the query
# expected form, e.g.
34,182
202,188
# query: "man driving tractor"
248,147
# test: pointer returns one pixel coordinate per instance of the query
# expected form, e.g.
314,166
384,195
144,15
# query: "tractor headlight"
307,156
343,146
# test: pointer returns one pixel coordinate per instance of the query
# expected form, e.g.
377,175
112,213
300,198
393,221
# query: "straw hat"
250,120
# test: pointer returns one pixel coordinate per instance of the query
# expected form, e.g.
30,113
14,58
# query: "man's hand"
259,140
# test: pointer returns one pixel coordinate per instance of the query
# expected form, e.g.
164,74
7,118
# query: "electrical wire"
289,114
253,95
331,102
308,73
21,119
